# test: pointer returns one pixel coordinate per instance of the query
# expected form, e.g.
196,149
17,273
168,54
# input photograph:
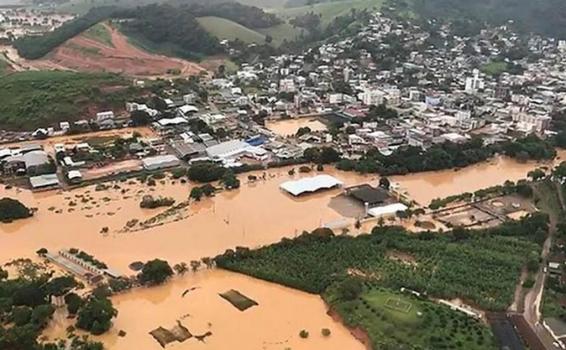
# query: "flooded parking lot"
287,127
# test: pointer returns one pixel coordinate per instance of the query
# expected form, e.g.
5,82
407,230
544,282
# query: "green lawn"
281,32
226,29
328,10
426,325
99,33
3,65
494,68
39,99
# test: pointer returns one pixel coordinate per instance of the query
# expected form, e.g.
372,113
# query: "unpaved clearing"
86,54
82,53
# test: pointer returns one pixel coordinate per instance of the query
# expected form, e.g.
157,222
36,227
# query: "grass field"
4,67
395,320
281,32
327,10
39,99
494,68
99,33
226,29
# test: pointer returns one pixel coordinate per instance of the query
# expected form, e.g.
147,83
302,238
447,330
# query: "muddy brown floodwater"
289,127
257,214
424,187
274,324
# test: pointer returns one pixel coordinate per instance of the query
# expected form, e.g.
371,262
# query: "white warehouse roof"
160,162
310,184
387,210
227,149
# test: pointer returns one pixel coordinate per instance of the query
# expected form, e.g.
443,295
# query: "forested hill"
34,47
168,28
174,30
546,17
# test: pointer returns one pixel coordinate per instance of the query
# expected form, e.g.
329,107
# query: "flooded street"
258,213
289,127
274,323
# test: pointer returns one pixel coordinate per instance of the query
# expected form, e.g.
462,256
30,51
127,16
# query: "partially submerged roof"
367,194
310,184
43,181
387,210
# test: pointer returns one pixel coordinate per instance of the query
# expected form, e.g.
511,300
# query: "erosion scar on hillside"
85,53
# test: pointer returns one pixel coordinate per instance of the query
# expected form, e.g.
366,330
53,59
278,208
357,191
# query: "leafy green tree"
205,172
536,174
12,209
303,131
73,302
196,193
140,118
21,315
60,286
230,181
96,315
42,314
155,272
350,288
181,268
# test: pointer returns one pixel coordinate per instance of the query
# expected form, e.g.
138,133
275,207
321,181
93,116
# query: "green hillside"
327,10
225,29
34,99
99,33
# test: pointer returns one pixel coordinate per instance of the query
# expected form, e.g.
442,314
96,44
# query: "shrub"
149,202
325,332
304,334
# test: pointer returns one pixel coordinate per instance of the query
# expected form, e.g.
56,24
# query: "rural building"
367,194
387,210
228,149
44,181
160,162
310,184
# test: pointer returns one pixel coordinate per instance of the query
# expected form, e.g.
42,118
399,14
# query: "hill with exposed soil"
105,49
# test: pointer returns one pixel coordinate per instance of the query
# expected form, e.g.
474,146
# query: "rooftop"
310,184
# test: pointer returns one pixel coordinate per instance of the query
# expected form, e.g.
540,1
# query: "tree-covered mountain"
168,28
171,29
546,17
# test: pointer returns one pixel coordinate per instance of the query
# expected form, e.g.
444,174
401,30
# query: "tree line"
481,266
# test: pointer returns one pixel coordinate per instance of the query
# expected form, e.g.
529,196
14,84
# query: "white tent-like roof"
310,184
387,210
